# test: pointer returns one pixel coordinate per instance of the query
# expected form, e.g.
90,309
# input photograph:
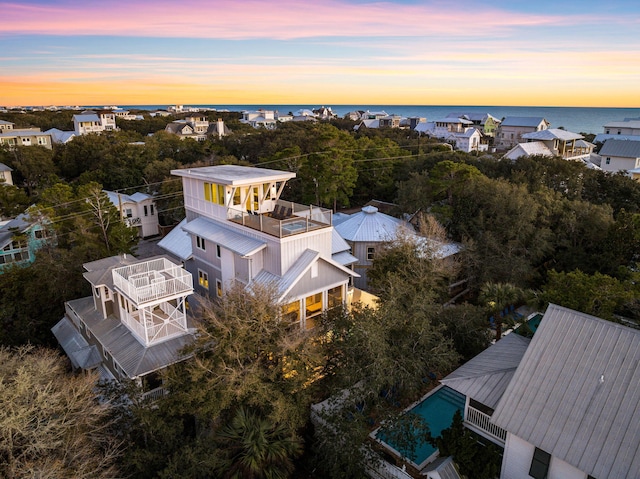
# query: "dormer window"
200,243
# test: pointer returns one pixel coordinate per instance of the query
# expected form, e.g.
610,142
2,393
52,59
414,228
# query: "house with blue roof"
621,155
20,239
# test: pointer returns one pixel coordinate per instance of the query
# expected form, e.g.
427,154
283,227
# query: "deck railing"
295,219
155,394
151,331
482,421
152,280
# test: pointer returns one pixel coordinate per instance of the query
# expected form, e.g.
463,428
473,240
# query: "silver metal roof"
99,271
624,148
635,123
530,121
234,174
602,137
178,242
444,467
86,117
4,167
552,134
486,376
338,244
132,356
229,239
528,149
576,394
369,225
344,258
80,352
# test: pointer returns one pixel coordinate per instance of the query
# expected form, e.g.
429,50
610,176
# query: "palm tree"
497,296
254,448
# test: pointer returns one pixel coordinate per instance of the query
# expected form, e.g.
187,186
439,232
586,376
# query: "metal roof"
444,467
531,148
132,356
486,376
234,174
624,148
86,117
4,167
338,244
99,271
344,258
530,121
576,394
602,137
229,239
178,242
12,227
623,124
369,225
80,352
552,134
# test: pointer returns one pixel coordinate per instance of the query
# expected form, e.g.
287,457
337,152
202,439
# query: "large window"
313,307
214,193
540,464
291,312
203,279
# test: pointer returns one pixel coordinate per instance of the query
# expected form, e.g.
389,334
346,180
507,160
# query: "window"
203,279
219,288
608,161
200,243
291,312
128,213
540,464
151,209
370,252
218,250
146,210
42,140
313,307
41,234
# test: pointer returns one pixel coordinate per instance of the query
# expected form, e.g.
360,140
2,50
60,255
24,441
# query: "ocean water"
575,119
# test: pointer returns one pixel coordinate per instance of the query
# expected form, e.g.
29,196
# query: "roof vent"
370,209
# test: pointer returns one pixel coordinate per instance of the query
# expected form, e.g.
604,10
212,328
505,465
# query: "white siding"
618,163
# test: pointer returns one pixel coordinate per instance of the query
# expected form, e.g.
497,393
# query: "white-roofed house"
572,408
366,231
87,122
6,125
135,323
487,122
260,118
513,127
552,142
59,136
242,232
5,175
621,155
137,211
630,126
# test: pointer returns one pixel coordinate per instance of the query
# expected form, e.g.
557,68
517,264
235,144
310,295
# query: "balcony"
481,423
286,219
155,280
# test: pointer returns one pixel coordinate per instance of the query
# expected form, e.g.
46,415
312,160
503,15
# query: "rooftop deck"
286,219
153,280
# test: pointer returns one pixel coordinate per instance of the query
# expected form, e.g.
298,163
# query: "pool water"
437,409
532,324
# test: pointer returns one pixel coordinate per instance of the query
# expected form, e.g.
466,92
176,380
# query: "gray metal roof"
234,174
86,117
229,239
99,271
4,122
80,352
632,123
486,376
344,258
4,167
528,149
530,121
602,137
59,136
444,466
338,244
12,227
369,225
552,134
576,394
132,356
178,242
624,148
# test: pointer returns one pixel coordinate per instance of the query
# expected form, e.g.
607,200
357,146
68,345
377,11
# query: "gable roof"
86,117
552,134
486,376
576,395
18,225
531,148
178,242
624,148
530,121
227,238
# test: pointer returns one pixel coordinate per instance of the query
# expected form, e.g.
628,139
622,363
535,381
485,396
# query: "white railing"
147,332
483,422
155,394
152,280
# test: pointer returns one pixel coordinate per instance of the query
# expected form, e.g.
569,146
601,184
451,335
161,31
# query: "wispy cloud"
286,19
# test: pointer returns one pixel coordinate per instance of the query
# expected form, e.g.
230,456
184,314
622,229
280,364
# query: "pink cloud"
232,19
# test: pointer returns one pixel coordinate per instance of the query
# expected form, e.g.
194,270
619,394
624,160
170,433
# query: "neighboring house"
20,238
572,408
445,126
162,113
25,137
487,123
90,121
414,121
126,115
620,155
137,211
241,232
630,126
552,142
6,125
513,127
194,127
468,141
134,325
324,113
367,230
259,118
5,175
59,136
218,129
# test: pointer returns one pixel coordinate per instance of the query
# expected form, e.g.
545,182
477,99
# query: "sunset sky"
420,52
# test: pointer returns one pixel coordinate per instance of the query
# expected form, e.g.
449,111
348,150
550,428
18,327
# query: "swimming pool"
437,409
